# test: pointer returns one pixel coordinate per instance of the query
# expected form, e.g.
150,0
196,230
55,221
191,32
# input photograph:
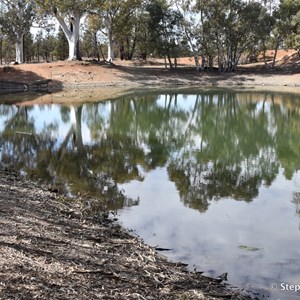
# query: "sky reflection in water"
210,241
212,172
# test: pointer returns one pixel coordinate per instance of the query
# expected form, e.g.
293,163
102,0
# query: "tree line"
218,34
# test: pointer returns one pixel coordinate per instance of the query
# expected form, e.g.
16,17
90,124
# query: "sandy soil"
86,74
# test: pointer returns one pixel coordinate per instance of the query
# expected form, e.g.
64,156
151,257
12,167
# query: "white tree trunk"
110,50
72,47
19,49
72,35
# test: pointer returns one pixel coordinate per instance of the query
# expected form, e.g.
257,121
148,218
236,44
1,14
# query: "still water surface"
214,176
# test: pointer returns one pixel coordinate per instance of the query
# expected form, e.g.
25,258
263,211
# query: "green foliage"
118,22
61,46
66,7
129,28
292,13
233,28
8,51
69,14
90,43
17,19
165,33
28,47
220,34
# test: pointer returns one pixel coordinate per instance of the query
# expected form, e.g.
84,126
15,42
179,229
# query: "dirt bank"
93,74
52,248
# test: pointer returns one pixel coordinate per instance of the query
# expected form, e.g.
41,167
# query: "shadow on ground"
13,80
180,76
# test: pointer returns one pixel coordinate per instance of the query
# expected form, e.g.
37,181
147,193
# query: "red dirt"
92,74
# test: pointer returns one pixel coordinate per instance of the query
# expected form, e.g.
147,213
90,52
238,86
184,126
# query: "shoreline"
53,248
63,76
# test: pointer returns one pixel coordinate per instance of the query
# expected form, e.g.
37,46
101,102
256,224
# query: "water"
213,176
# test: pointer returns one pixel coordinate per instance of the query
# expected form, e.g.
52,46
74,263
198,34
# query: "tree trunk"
220,55
1,51
175,62
19,49
275,55
196,59
236,61
202,58
72,35
165,60
101,52
265,58
211,62
122,51
131,51
110,54
170,62
220,60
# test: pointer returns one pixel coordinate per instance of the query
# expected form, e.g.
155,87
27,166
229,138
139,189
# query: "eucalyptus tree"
116,18
69,14
8,50
15,20
270,5
38,44
286,25
289,14
231,29
192,27
165,32
28,47
130,25
257,23
295,35
61,47
108,14
91,41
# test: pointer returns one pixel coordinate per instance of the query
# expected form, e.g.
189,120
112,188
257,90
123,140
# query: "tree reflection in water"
296,201
214,144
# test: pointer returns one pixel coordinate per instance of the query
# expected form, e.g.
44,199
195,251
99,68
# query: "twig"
94,272
226,296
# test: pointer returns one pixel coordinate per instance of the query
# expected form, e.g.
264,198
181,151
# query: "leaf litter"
50,249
